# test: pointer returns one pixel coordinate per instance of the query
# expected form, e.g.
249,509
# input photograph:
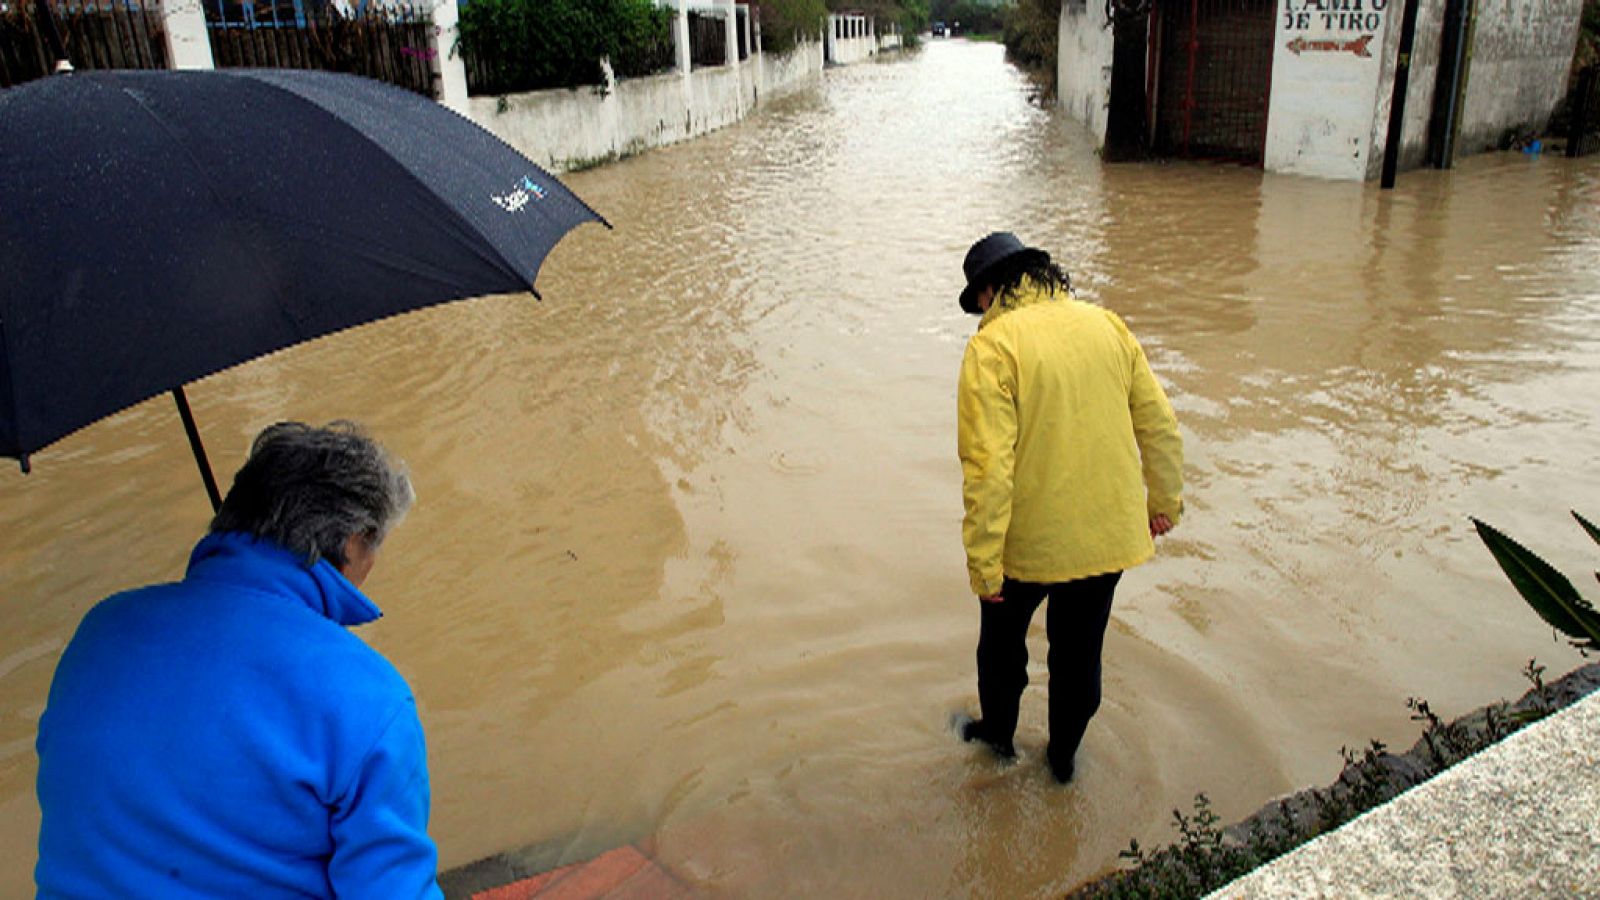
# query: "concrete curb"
1520,819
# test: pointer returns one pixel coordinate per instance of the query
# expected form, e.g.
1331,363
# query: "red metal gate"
1210,77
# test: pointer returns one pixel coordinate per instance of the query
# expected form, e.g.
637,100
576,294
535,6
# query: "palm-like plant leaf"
1549,592
1587,526
1593,533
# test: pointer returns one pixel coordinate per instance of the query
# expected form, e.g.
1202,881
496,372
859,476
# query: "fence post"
680,37
445,59
184,30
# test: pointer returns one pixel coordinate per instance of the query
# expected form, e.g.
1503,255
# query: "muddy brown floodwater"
686,561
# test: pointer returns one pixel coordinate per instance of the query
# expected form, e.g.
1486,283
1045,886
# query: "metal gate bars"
1210,77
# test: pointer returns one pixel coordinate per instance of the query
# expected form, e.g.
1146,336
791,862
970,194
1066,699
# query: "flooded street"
686,563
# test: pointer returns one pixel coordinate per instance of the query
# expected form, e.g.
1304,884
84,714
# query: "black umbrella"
157,227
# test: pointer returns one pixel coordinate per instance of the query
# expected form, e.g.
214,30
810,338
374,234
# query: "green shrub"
1588,52
1031,35
1206,857
783,22
526,45
974,17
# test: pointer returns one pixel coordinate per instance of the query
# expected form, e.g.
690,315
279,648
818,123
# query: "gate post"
188,42
680,37
1397,106
446,62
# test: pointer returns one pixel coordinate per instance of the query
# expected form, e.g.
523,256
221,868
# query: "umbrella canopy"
160,226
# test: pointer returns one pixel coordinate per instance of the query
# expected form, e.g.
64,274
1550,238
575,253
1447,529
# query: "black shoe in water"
1062,769
1063,772
972,730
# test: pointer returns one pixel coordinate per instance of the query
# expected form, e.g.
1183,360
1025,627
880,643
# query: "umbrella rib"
494,254
201,176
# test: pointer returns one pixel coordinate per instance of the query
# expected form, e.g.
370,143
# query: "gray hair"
309,489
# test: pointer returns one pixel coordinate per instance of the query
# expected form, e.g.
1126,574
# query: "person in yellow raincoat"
1071,463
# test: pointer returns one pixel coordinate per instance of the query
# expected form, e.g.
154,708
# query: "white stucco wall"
1521,57
849,39
568,128
782,74
1324,97
1329,112
1083,64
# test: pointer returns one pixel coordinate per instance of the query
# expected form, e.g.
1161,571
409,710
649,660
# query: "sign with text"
1333,26
1334,15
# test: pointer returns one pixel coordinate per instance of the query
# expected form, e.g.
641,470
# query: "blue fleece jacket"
225,736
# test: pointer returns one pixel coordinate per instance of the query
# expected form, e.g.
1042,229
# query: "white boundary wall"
1333,78
1322,115
569,128
1083,65
1522,54
849,38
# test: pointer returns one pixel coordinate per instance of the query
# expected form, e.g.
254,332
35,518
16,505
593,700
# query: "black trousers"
1075,621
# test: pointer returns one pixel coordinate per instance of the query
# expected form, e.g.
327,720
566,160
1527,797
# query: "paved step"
626,873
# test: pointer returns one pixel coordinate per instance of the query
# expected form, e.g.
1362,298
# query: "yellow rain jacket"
1068,444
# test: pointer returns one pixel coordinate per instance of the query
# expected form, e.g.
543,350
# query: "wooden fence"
388,45
708,40
112,34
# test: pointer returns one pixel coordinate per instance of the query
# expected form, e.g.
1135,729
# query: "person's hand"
991,598
1159,525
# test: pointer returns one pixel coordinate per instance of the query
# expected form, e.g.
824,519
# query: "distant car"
938,29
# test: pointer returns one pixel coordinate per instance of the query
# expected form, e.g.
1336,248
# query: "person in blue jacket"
225,735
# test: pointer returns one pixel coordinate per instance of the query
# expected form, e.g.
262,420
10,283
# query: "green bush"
1588,52
1206,856
974,17
785,21
526,45
1031,35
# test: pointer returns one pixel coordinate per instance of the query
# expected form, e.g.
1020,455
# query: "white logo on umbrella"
519,196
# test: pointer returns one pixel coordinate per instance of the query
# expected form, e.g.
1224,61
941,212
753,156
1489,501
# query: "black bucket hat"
987,256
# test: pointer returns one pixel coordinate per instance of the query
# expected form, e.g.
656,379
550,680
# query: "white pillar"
680,36
730,34
446,59
188,43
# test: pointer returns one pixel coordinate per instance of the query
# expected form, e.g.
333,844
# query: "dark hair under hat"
987,257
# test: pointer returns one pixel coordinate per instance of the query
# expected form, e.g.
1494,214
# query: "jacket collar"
242,560
1027,293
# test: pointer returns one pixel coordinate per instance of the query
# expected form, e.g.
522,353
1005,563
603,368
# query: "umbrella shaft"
198,448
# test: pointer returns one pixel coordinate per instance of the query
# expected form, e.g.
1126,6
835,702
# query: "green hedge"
527,45
1030,35
782,21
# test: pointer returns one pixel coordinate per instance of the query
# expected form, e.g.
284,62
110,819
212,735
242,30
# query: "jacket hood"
1027,293
245,561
